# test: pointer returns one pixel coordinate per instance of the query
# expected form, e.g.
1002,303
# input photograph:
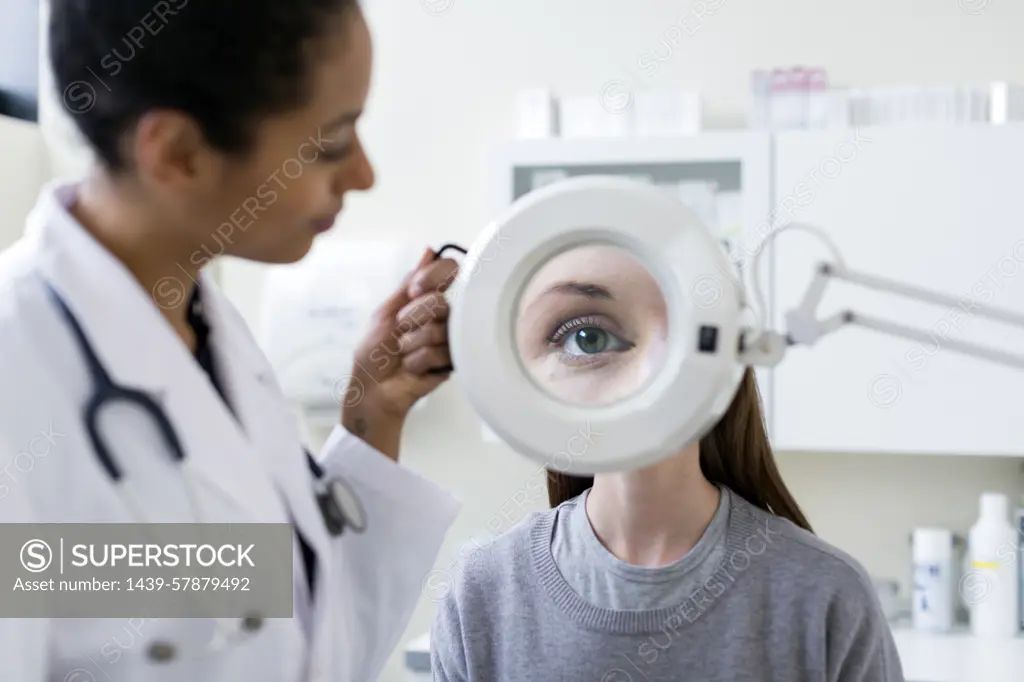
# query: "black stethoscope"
339,505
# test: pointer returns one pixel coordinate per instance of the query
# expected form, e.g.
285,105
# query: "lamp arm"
974,349
765,348
920,294
803,326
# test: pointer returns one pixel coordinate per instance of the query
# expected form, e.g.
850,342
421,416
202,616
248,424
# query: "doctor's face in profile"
592,326
269,201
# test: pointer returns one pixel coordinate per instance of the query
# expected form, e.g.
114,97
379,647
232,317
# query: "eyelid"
602,322
566,327
337,154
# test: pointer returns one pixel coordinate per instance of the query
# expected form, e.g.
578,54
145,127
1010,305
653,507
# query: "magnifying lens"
596,326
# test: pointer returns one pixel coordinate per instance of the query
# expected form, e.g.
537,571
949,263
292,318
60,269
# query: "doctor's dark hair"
735,453
225,63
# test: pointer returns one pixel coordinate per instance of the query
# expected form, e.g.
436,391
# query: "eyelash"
335,154
572,325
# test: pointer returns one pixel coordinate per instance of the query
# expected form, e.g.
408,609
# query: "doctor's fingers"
421,360
433,334
423,311
435,277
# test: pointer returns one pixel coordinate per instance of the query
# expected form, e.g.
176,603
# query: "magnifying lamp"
599,326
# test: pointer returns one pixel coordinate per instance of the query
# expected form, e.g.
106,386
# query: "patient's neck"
653,516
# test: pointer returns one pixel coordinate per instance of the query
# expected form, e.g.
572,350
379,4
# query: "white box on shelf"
667,113
591,116
538,114
1006,103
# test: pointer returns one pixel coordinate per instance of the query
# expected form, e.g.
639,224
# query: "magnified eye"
592,340
582,339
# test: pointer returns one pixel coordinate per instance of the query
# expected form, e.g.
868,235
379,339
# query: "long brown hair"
735,454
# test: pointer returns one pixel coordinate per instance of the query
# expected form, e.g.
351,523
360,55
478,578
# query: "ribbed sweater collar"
744,547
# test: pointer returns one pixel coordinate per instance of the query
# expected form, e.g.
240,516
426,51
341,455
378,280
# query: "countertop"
959,657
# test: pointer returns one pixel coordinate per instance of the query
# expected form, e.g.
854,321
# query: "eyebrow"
594,291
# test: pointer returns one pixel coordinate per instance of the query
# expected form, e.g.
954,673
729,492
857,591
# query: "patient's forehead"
593,263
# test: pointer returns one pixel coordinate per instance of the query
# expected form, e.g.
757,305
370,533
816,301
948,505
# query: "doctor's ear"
168,148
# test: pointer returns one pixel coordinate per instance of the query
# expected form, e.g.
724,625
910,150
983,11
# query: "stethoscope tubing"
106,392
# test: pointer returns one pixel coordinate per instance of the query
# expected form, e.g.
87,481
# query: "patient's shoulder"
503,560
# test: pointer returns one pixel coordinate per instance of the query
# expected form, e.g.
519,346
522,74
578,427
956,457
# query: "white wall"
66,154
445,89
22,173
18,61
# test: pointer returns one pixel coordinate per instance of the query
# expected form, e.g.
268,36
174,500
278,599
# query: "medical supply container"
933,586
992,584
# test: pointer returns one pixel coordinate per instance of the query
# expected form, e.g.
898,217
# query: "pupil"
591,340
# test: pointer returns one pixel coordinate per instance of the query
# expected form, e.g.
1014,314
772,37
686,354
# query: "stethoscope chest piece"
252,622
340,507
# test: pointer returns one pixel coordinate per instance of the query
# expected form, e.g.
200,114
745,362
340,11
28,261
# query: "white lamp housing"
702,367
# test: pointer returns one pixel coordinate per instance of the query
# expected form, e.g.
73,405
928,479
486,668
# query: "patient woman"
701,567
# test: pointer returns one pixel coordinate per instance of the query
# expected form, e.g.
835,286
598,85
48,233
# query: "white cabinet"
724,177
22,175
940,207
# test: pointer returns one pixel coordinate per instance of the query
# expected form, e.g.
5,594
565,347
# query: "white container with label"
993,590
933,586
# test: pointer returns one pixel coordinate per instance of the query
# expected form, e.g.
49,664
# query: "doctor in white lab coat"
183,176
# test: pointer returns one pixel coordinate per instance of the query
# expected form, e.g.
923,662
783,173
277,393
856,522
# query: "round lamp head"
595,326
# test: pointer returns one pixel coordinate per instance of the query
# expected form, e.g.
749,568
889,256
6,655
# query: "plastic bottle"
932,608
781,100
761,90
817,99
800,86
992,585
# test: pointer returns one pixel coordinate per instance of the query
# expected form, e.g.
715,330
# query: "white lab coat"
368,584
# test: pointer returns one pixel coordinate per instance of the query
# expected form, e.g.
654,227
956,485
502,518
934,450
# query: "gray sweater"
772,603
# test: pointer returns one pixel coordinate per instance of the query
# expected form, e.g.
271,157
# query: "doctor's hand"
407,337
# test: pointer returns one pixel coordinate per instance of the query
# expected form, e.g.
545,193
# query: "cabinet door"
937,207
